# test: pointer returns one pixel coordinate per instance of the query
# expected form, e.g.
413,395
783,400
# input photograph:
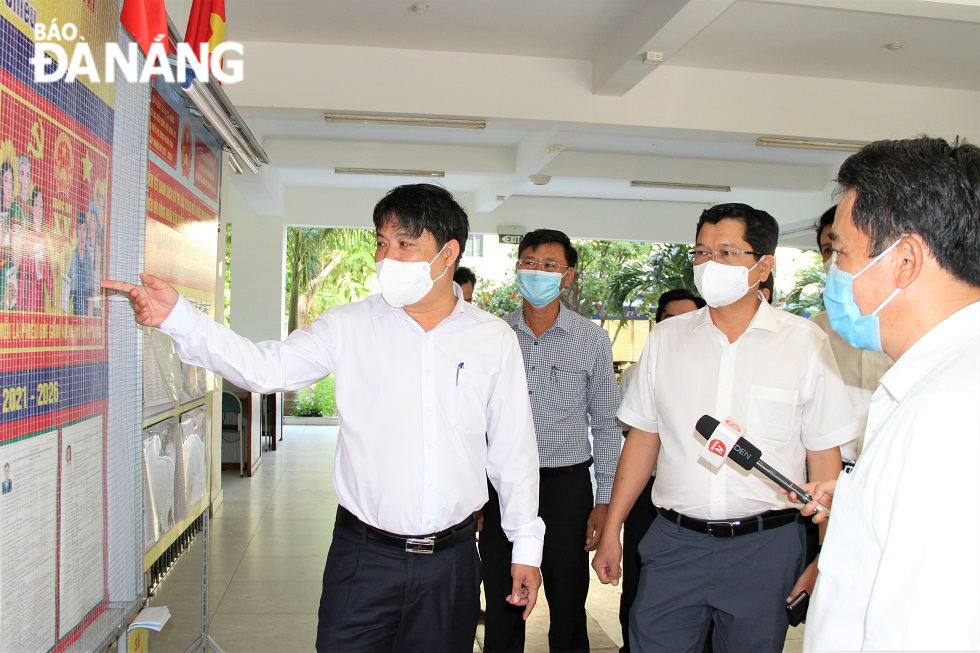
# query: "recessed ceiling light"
389,172
810,144
895,45
403,121
420,8
540,180
679,186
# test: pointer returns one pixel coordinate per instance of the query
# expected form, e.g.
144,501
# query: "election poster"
55,200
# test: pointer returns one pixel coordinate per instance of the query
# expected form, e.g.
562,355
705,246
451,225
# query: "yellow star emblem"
87,168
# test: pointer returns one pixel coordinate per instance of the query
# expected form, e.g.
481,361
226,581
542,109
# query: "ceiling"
567,74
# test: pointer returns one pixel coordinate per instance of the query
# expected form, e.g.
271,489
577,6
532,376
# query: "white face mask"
721,285
406,282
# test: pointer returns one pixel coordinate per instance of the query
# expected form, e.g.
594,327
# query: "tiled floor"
268,545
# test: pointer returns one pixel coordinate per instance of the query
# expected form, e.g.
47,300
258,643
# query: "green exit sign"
509,239
510,234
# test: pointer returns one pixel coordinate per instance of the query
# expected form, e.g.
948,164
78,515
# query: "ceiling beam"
663,27
326,155
533,153
737,174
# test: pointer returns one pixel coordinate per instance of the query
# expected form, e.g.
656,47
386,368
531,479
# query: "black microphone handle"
787,484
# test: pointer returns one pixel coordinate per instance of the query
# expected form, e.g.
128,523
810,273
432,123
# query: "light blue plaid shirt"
572,385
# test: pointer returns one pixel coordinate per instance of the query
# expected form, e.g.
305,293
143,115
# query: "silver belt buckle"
721,524
424,545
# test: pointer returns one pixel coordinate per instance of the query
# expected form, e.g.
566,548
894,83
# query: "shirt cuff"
182,319
627,416
527,551
603,494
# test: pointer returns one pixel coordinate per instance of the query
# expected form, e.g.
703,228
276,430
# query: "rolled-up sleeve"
603,396
512,456
302,359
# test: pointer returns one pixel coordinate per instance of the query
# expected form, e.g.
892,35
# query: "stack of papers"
153,618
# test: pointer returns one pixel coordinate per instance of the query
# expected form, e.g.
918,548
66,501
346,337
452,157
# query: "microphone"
726,440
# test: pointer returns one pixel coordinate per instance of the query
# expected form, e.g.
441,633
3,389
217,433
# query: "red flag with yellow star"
206,24
146,20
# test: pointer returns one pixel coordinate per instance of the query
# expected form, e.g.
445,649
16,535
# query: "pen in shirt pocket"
554,373
459,368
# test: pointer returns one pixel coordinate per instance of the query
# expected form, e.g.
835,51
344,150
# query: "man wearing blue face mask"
727,548
861,369
572,388
900,570
434,402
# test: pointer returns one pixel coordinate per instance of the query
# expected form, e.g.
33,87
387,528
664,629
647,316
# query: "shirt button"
428,409
530,392
532,368
535,343
428,372
428,523
174,330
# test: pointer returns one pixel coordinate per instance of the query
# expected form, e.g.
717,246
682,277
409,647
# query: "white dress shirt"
778,380
425,417
861,370
899,569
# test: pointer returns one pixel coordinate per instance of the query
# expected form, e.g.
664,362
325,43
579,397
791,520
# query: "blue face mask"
538,287
860,331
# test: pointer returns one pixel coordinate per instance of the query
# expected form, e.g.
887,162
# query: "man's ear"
908,262
569,277
452,253
766,264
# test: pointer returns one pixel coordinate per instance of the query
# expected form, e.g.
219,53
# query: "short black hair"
769,284
539,237
424,207
924,186
464,275
761,229
824,221
674,295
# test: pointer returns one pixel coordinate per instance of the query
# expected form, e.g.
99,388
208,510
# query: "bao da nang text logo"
52,63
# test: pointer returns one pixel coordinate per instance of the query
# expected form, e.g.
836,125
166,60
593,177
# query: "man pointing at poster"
434,397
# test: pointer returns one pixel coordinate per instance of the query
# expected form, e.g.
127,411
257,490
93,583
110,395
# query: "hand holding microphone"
727,441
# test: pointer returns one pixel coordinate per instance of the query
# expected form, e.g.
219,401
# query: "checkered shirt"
572,386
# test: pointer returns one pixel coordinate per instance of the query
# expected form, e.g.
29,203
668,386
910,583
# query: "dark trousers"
634,528
565,503
690,580
379,598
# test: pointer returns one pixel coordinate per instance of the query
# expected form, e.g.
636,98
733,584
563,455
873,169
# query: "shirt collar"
930,350
382,308
564,320
764,318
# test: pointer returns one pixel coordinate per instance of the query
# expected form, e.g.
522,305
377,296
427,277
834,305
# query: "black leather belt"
568,469
465,530
733,527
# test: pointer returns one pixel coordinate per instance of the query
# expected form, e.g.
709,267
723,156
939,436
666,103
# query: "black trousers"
378,598
634,528
565,503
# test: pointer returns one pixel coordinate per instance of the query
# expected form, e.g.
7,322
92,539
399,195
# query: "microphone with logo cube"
727,440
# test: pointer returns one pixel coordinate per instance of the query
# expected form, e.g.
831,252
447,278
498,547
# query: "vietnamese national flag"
146,21
206,24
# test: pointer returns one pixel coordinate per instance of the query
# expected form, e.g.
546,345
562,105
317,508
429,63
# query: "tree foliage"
325,267
640,283
806,296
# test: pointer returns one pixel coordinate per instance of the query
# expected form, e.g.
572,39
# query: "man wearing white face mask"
900,570
860,369
573,389
728,549
434,401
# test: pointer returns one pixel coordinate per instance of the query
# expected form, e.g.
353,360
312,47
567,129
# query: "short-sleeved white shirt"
778,380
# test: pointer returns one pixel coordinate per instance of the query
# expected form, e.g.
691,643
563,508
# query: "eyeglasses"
531,264
700,254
